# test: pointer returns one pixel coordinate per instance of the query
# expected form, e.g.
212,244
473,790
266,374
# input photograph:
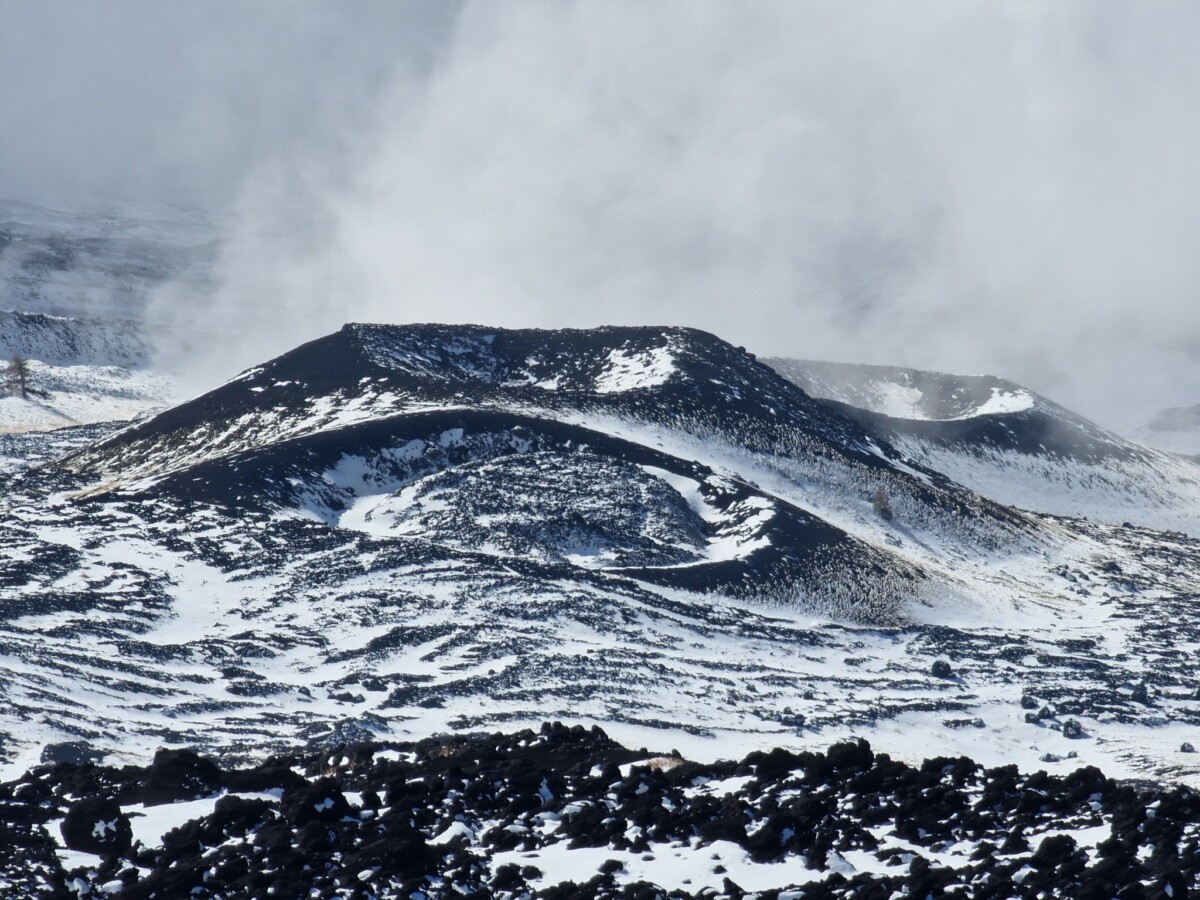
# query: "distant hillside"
82,370
1008,443
67,341
97,264
408,529
75,288
1176,430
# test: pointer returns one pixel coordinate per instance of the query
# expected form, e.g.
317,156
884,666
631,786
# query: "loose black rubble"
466,816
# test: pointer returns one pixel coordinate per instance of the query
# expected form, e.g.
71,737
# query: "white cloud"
969,186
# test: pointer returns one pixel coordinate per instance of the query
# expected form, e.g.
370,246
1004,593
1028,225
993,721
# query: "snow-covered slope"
80,371
99,264
907,393
344,430
74,294
402,530
72,341
1175,430
1010,444
74,288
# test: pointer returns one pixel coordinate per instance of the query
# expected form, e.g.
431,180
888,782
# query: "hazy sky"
1001,187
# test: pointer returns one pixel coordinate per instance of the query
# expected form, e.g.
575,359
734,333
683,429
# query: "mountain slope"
365,370
678,389
1175,430
1009,444
80,371
400,530
97,265
75,297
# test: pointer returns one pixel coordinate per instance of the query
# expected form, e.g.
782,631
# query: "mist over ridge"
965,188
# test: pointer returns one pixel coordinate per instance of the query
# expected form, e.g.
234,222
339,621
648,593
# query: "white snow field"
652,532
75,292
1175,430
1013,446
63,396
404,554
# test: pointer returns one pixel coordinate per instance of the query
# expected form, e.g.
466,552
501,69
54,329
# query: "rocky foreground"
567,812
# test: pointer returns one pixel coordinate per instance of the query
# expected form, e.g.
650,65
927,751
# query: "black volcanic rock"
71,752
179,775
266,777
96,825
941,669
473,437
454,810
320,801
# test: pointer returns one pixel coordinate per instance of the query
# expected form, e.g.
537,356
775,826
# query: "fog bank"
977,187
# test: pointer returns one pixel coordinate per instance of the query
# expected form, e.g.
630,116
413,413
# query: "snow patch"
1003,401
627,370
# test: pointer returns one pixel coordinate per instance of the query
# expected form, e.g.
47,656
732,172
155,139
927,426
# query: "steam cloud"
979,187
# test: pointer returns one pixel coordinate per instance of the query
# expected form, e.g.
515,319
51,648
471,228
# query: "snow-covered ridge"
81,371
1175,430
365,372
398,530
599,360
72,341
1011,445
908,393
98,264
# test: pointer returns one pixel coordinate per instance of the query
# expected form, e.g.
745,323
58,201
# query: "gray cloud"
181,102
965,186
